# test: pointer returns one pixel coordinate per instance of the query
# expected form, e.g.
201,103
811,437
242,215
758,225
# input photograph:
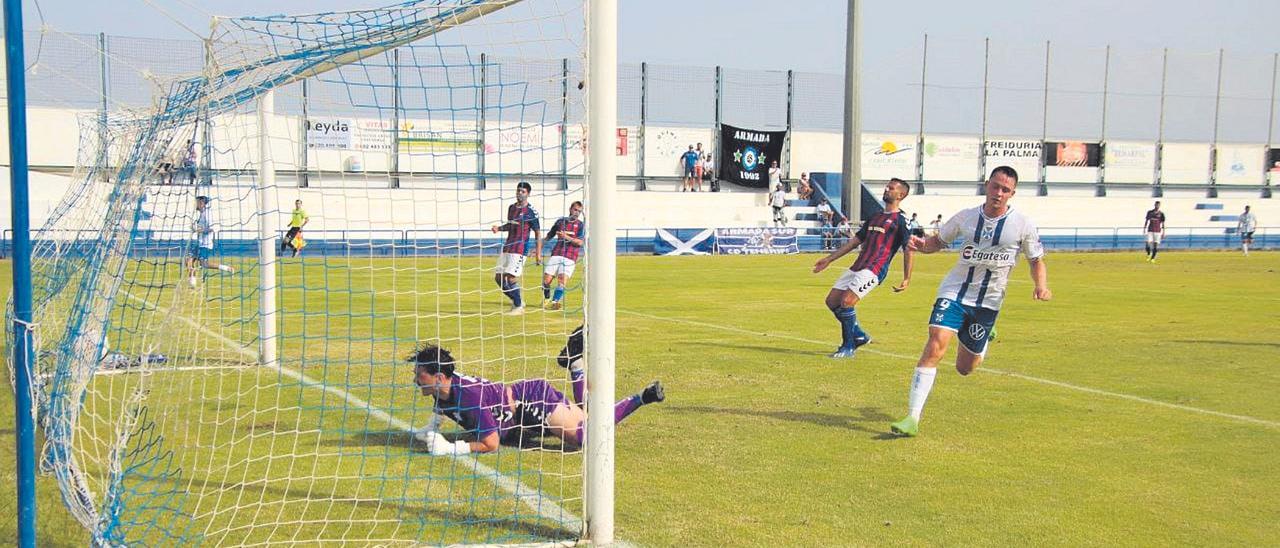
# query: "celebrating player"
493,413
202,247
884,234
571,232
970,296
521,220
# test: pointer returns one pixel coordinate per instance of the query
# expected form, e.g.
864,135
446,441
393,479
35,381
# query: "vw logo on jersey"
977,332
750,157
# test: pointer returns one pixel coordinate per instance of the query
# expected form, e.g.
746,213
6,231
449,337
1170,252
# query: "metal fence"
471,242
935,85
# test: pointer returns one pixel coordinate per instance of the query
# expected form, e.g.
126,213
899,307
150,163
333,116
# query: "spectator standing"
778,200
775,174
688,163
189,162
935,227
913,226
699,168
825,215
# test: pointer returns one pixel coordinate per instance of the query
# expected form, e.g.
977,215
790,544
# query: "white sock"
224,268
921,384
1246,248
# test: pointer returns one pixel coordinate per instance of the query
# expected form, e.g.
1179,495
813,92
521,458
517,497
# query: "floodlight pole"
265,193
601,181
23,353
851,171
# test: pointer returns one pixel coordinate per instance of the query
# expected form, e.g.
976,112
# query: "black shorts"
293,231
1246,235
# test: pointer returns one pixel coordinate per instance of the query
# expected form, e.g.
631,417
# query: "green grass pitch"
1137,407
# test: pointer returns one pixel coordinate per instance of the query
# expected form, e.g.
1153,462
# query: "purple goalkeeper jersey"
482,406
564,248
882,236
521,220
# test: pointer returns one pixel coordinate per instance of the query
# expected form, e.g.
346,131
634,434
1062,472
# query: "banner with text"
745,155
1023,155
951,157
885,156
1129,162
329,133
757,241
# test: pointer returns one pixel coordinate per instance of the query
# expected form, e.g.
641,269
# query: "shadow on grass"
529,439
1230,343
862,419
769,349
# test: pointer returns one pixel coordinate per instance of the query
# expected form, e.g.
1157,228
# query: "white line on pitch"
1139,399
149,370
530,497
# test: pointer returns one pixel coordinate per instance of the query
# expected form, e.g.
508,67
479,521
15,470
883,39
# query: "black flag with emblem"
746,154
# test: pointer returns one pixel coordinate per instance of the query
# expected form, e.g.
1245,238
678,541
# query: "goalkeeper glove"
440,446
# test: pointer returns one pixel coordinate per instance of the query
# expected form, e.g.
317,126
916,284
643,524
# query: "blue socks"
849,329
559,294
512,290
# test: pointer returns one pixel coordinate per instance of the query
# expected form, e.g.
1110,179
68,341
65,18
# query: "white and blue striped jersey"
990,252
203,226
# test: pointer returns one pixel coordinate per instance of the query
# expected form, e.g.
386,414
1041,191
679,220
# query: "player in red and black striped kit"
571,233
1154,229
881,237
521,221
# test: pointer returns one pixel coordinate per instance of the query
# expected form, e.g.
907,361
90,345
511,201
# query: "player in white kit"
970,296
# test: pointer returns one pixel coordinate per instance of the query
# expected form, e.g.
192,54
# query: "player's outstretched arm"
1040,276
931,244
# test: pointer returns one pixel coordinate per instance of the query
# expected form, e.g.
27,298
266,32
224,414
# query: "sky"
808,36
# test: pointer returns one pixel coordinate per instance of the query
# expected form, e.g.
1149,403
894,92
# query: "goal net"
207,374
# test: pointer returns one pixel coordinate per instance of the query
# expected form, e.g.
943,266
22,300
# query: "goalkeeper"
493,413
297,220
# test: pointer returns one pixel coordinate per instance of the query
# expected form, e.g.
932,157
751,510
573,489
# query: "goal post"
602,74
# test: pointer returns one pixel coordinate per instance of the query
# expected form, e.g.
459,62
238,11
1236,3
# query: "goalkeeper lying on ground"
496,413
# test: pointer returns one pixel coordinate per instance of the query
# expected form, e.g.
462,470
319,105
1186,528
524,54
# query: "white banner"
1023,155
1184,163
951,158
885,156
1129,162
329,133
373,135
664,145
1240,164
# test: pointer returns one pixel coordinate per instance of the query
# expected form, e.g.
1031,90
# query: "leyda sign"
746,155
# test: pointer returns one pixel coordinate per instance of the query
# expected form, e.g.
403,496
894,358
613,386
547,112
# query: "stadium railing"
630,241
